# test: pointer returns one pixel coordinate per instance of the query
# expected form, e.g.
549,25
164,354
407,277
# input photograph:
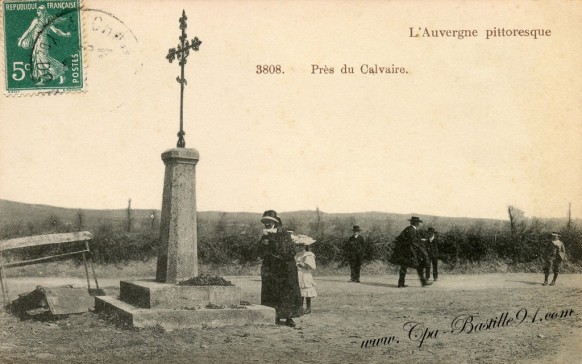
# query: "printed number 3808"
269,69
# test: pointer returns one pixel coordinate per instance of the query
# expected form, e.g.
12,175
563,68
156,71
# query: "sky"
474,126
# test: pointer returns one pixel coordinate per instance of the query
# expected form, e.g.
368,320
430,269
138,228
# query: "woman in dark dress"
280,284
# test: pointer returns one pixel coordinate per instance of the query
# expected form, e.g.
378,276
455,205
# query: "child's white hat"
302,239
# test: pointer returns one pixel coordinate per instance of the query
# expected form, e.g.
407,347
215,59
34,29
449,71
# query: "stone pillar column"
178,252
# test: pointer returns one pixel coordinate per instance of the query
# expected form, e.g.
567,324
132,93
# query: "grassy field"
345,315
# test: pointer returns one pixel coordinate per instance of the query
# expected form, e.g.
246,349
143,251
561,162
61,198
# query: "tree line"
230,238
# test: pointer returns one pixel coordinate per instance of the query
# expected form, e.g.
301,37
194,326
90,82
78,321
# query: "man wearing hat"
353,250
433,254
555,254
279,280
409,251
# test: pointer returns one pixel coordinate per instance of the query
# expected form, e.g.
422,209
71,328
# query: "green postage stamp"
42,45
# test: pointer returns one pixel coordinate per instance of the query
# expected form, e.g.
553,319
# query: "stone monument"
178,253
162,301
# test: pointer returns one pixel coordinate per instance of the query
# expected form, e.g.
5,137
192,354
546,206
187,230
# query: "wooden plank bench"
39,240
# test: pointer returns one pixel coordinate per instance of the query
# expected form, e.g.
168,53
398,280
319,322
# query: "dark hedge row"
226,242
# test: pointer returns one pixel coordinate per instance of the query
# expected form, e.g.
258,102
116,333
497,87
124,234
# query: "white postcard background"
475,125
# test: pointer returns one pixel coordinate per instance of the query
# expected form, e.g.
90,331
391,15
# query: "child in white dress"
305,265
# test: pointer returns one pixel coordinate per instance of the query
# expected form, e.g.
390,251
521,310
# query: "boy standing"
556,253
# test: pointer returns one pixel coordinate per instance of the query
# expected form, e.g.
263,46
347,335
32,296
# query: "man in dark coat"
555,255
279,278
353,250
409,251
433,254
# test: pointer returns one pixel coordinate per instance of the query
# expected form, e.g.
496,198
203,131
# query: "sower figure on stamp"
555,254
409,251
37,37
433,254
279,277
353,250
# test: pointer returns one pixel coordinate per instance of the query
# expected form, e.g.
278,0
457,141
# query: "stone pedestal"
149,294
178,252
149,303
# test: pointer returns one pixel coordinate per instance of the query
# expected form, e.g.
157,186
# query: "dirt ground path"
369,283
487,318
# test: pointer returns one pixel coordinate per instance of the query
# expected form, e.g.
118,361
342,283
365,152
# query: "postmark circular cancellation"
47,44
108,39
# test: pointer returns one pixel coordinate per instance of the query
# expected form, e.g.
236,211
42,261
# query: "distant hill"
40,217
17,213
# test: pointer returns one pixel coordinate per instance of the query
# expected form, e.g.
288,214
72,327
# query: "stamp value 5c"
43,45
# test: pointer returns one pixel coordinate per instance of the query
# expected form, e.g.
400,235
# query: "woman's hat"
557,235
414,219
270,215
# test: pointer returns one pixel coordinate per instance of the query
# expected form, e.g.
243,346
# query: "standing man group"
410,251
353,250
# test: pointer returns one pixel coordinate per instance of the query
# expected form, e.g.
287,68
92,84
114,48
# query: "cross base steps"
149,304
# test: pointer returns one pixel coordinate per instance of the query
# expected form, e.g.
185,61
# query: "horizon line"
290,211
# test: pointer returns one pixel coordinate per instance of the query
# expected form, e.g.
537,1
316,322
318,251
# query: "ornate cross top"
181,52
